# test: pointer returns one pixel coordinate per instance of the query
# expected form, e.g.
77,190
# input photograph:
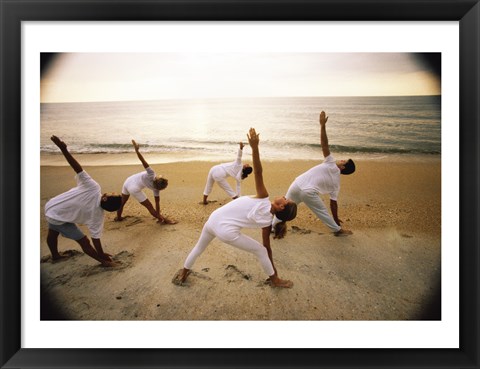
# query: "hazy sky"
79,77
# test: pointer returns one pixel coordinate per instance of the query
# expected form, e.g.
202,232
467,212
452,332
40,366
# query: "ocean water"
210,129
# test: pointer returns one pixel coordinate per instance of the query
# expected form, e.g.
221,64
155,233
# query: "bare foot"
207,202
180,277
106,257
281,283
109,264
119,219
169,221
343,232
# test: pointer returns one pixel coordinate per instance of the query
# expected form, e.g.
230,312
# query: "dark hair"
246,171
160,183
288,213
349,167
112,203
280,230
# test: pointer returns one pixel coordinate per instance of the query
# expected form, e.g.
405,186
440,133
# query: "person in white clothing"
83,204
321,180
135,184
219,173
226,222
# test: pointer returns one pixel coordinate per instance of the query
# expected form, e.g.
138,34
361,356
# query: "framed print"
203,71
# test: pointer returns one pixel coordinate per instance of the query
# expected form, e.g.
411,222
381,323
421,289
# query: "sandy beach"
389,269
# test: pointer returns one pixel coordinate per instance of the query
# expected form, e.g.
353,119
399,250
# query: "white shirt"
323,178
244,212
79,205
137,182
233,169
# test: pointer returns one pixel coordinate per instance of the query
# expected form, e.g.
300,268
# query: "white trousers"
220,178
235,239
314,203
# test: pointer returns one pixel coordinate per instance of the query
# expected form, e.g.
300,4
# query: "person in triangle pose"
226,223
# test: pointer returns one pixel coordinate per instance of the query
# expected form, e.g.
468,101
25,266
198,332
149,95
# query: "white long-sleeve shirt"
232,169
244,212
80,205
137,182
323,178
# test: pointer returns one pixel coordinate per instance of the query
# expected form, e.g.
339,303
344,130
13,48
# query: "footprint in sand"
67,254
299,230
176,278
296,229
124,259
233,274
133,221
127,221
60,280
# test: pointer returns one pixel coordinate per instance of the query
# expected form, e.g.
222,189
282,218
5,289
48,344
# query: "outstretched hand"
253,138
323,118
58,142
135,145
242,145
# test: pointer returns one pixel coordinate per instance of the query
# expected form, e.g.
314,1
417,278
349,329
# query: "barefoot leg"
148,205
120,211
52,242
181,276
282,283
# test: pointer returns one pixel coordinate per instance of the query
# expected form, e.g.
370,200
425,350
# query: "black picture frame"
12,355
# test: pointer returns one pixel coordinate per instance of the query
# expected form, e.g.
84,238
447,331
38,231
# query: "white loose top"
137,182
323,178
233,169
244,212
79,205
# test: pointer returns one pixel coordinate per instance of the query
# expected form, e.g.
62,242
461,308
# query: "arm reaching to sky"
254,139
238,178
140,156
323,134
239,153
71,160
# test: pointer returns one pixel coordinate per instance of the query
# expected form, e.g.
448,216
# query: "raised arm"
254,139
71,160
240,152
238,178
140,156
323,134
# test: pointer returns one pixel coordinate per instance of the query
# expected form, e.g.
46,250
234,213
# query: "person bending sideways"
319,180
257,211
83,204
219,173
135,184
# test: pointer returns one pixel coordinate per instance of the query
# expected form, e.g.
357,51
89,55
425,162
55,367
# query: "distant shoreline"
101,159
